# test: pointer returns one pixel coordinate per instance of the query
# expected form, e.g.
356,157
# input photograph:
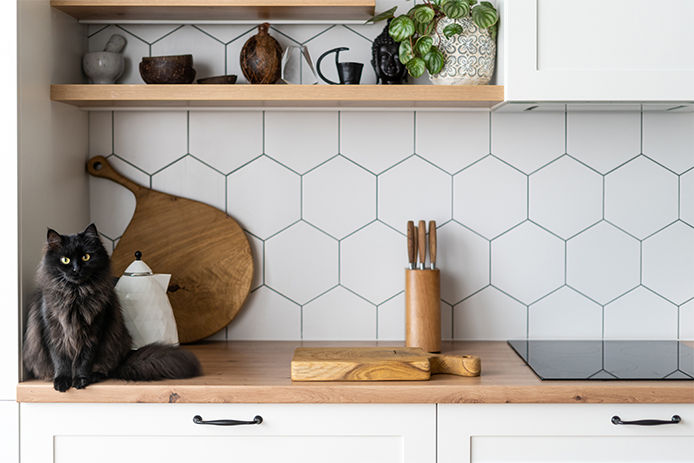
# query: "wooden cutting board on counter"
377,364
205,251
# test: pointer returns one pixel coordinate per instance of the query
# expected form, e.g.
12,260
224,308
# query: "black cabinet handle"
197,419
674,420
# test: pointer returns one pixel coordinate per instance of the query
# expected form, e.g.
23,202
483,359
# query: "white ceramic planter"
470,55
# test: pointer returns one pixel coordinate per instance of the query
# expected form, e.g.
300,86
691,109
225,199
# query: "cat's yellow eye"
86,257
65,260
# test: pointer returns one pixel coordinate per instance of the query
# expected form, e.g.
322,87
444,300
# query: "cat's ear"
53,238
91,231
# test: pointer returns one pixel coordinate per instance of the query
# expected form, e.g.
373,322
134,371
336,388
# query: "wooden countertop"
258,372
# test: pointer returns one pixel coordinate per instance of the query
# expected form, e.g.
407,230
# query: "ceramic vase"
470,56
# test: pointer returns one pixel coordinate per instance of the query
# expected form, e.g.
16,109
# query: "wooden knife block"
423,309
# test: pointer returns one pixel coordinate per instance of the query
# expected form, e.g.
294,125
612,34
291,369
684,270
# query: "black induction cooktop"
607,360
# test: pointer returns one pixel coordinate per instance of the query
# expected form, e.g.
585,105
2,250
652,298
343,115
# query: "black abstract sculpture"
385,59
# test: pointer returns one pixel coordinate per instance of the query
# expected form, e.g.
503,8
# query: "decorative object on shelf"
295,61
457,59
205,250
261,57
105,67
174,69
349,73
470,55
228,79
146,309
385,59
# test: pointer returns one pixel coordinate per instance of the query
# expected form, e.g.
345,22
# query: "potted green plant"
454,40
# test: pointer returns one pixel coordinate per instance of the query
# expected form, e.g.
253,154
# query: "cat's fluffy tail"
158,361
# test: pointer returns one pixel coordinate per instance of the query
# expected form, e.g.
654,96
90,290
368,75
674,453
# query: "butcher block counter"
259,372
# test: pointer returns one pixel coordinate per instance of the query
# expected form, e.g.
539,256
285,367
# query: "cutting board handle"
452,364
98,166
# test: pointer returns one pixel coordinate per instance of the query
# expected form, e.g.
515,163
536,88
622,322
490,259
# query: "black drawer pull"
197,419
674,420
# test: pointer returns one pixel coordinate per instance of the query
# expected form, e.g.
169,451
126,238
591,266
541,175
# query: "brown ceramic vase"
261,58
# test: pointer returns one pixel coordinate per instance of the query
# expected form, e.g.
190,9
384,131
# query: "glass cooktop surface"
607,360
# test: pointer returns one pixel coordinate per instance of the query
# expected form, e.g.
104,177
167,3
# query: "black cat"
75,331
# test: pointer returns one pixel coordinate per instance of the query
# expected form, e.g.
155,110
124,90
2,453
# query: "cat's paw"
62,383
80,382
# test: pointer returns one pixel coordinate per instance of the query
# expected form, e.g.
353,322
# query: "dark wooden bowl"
175,69
229,79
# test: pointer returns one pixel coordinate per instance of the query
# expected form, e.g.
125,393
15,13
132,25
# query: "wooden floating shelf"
194,95
211,10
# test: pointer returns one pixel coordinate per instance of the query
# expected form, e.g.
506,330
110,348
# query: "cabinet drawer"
563,433
139,433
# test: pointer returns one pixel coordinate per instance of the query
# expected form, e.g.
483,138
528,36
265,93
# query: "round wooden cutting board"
205,251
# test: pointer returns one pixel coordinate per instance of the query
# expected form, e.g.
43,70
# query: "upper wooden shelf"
194,95
215,10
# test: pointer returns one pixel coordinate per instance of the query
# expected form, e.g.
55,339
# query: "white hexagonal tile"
267,316
687,197
640,315
339,197
565,314
668,138
301,262
463,258
189,178
565,197
603,140
528,140
527,262
226,140
411,190
301,32
687,321
439,134
489,315
641,197
258,253
208,53
226,32
391,319
603,262
111,206
100,133
376,140
148,32
490,197
446,321
359,50
133,52
301,142
373,262
668,262
339,315
150,139
264,196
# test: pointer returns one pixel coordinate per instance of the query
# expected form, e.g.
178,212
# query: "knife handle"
422,231
432,243
411,244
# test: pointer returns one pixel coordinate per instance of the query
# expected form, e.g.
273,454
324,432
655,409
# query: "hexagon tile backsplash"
551,225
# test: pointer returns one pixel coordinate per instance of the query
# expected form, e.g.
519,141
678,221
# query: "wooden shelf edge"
210,10
141,95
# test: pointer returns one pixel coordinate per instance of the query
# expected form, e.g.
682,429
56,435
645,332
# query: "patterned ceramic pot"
470,55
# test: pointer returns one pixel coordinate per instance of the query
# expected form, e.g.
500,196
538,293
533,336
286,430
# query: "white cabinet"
306,433
486,433
598,50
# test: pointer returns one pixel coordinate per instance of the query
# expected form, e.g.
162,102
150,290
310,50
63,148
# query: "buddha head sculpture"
386,60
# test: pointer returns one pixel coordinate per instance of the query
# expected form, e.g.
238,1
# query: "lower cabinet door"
539,433
306,433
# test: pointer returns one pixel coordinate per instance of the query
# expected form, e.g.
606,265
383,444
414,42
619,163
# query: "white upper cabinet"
598,50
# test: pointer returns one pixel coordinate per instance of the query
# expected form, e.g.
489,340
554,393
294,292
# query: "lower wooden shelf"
194,95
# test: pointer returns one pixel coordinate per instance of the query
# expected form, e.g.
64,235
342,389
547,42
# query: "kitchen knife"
422,245
411,244
432,244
